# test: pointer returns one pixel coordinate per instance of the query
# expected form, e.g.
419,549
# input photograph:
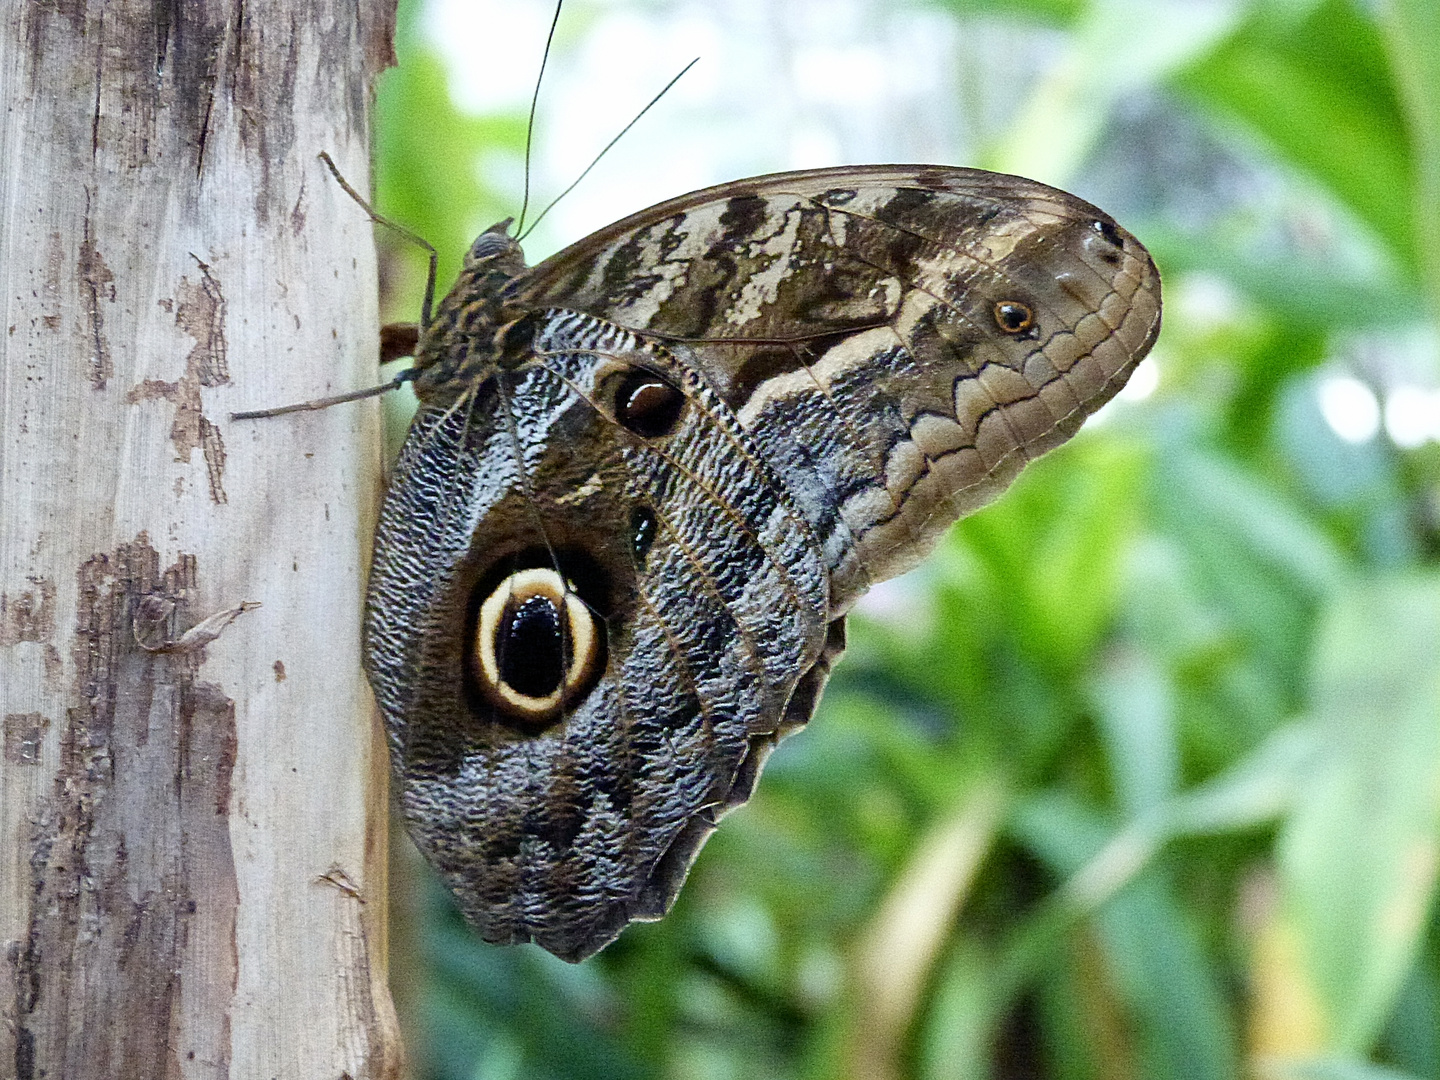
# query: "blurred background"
1139,775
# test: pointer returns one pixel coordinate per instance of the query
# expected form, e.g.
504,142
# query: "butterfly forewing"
683,447
856,320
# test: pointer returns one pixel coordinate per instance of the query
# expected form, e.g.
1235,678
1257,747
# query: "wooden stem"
192,787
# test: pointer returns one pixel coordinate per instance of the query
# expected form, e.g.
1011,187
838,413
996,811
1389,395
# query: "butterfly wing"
900,340
713,426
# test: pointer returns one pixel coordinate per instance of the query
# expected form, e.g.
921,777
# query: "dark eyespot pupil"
530,648
642,532
647,405
1109,232
1012,317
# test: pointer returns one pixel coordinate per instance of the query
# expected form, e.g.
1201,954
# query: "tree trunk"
192,791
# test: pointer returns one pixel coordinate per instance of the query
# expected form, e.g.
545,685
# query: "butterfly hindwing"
702,578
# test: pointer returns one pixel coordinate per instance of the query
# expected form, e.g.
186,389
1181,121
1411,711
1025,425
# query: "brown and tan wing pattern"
649,476
855,320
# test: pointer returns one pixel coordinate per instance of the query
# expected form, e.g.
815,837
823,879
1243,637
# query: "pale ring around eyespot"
506,598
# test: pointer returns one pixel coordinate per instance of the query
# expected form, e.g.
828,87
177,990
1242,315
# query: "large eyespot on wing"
898,340
536,646
598,483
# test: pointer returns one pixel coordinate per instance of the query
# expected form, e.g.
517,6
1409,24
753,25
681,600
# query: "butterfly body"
649,476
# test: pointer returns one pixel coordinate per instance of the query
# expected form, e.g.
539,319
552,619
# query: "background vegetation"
1139,776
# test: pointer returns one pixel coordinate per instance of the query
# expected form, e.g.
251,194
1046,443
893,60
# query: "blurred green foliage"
1139,776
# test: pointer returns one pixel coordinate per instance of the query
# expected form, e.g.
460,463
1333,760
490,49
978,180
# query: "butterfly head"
496,249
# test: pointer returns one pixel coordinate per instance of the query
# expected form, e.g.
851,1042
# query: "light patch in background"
1405,361
1412,416
853,76
1204,300
1350,408
814,148
904,603
781,84
492,49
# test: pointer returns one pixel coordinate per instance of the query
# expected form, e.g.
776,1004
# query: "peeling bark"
132,874
192,784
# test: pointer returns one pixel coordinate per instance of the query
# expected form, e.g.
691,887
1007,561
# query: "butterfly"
649,476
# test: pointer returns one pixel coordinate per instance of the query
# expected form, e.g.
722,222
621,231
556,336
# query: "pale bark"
192,840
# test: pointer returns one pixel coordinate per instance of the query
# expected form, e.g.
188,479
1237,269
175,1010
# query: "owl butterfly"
649,476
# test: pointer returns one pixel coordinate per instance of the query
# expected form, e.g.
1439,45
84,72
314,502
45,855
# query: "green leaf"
1151,950
516,1012
954,1042
1319,91
1050,551
1134,700
1117,47
1358,856
1313,295
1267,529
1255,792
1053,12
1232,603
1087,1033
1411,1039
894,956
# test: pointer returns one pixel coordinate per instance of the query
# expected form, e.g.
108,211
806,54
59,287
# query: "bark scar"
25,737
132,883
204,134
200,313
297,213
99,283
50,299
30,616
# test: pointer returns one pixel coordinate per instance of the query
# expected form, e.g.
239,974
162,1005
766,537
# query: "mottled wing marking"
564,836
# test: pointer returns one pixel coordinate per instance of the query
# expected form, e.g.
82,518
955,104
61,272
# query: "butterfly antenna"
395,226
534,101
540,217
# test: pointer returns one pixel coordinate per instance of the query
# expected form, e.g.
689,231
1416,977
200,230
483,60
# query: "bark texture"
192,787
